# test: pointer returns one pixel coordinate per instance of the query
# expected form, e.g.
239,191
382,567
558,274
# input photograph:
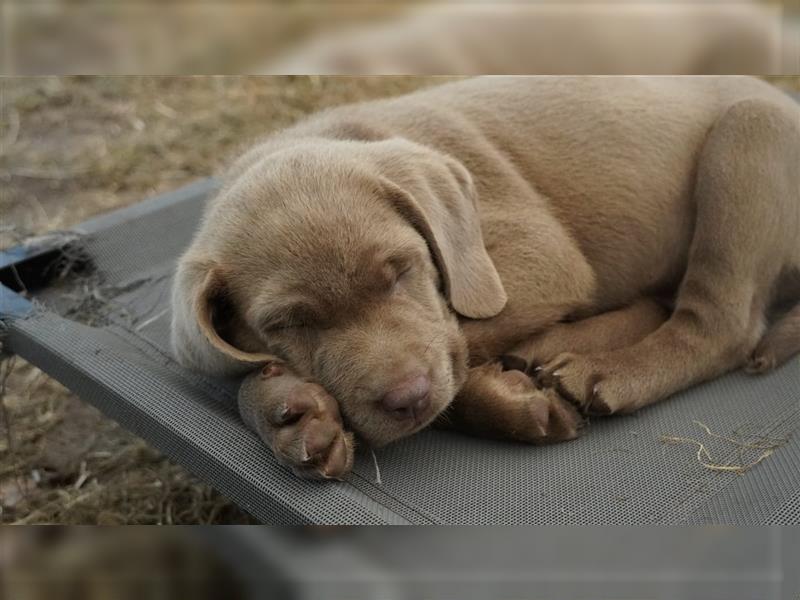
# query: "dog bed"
91,308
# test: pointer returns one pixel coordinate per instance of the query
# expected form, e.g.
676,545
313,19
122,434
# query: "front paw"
588,384
299,420
507,405
550,419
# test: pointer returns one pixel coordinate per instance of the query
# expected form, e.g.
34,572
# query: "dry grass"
75,147
71,148
764,445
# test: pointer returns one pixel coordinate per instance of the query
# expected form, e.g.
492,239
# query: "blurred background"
400,37
586,563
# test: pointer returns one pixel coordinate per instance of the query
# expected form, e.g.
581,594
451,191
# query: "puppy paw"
587,384
507,405
760,363
299,420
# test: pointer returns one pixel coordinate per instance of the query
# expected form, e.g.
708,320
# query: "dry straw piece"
768,445
377,468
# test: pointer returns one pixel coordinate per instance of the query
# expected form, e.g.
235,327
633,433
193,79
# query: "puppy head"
351,262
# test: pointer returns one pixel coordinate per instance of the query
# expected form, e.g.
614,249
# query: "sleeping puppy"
500,256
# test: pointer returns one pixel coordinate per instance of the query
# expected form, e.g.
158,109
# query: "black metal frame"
30,266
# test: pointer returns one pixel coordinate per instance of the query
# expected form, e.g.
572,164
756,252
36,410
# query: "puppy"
503,256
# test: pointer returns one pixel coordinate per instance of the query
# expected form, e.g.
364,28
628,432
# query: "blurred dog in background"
596,37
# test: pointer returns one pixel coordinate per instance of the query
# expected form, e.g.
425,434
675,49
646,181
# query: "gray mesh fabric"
116,356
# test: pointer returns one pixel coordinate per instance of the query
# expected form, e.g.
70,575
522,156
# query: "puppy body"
588,194
584,184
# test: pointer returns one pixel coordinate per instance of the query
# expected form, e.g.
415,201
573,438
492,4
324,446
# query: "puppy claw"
340,460
547,375
598,406
285,415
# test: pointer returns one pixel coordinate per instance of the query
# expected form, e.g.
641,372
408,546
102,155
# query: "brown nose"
408,398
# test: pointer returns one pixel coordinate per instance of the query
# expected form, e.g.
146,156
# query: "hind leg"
779,344
746,227
601,333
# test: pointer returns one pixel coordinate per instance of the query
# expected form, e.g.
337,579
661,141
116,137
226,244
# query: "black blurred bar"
687,563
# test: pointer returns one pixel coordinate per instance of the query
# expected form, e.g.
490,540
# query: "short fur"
618,239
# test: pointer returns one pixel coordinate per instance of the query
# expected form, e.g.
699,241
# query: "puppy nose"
408,398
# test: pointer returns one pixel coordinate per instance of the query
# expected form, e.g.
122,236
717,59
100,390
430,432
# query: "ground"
71,148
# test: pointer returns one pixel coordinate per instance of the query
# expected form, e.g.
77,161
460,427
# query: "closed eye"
280,326
405,271
289,317
399,275
401,266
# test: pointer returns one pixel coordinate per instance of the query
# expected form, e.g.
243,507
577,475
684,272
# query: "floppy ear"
203,317
435,193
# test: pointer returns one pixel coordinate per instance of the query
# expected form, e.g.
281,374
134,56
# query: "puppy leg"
299,420
507,405
745,234
602,333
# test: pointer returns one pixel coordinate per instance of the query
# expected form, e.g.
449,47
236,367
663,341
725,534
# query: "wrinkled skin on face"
344,290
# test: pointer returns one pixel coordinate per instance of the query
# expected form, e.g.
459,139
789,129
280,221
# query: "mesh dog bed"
102,330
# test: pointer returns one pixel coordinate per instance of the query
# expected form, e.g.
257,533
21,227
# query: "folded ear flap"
204,322
436,195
